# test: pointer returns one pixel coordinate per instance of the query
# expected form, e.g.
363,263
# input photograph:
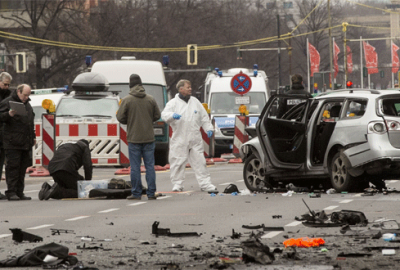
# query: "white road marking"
225,184
41,226
331,207
294,223
393,181
345,201
271,234
358,195
76,218
163,197
108,210
31,191
5,235
138,203
240,181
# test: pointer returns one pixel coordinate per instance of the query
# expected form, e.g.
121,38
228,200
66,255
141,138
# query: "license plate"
158,131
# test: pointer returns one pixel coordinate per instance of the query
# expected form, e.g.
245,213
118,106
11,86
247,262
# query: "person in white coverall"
186,115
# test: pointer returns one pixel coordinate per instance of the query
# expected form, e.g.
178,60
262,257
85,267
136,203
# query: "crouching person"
64,166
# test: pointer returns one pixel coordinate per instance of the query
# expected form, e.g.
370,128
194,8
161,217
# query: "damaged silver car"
344,138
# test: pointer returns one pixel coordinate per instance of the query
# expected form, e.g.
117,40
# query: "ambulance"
152,75
225,91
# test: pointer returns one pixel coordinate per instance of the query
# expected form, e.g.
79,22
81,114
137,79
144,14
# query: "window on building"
287,4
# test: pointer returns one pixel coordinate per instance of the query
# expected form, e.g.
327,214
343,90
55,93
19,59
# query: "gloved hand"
176,116
210,133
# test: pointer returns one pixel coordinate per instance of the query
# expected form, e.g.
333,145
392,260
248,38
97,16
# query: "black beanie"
134,79
84,141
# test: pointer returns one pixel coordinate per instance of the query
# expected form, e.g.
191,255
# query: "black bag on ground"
117,183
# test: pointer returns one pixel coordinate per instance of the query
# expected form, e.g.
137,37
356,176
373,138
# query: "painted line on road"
31,191
163,197
331,207
240,181
138,203
271,234
108,210
294,223
345,201
5,235
76,218
358,195
41,226
225,184
393,181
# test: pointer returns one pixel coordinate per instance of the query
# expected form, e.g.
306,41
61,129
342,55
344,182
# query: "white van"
225,91
152,75
38,95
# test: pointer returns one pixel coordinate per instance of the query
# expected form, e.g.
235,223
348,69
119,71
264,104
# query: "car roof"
357,92
36,100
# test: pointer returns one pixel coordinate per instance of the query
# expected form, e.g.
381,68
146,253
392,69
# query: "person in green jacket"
138,111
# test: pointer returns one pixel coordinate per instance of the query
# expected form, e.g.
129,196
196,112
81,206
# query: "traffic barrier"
123,146
235,160
41,172
240,136
123,171
218,159
48,137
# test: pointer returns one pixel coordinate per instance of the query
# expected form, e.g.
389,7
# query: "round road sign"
241,83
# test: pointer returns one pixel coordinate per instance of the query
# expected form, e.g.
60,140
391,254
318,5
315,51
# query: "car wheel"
254,174
341,180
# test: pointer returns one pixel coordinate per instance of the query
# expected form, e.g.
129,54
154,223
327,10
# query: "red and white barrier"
123,146
240,136
49,135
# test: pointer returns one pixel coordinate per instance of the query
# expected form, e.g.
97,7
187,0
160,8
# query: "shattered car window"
356,108
391,106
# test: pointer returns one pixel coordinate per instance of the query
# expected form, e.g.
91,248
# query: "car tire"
254,174
341,180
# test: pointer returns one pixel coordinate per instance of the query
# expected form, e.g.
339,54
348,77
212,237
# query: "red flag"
371,58
395,58
314,59
335,59
349,60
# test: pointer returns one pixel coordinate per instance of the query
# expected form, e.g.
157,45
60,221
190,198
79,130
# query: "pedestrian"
138,111
63,167
297,90
5,80
18,139
186,115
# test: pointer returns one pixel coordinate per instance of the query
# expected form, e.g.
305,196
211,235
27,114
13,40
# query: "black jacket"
297,90
19,131
70,157
4,93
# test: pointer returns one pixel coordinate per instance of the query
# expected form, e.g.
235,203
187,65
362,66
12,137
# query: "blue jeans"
136,152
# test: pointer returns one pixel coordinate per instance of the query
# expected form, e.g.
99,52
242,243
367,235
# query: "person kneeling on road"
64,166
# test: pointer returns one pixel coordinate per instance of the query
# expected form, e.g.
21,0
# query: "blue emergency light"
255,67
216,70
165,60
220,73
88,60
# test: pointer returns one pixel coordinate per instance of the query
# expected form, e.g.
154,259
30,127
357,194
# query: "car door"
283,134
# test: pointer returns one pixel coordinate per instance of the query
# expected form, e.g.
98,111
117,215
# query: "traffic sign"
241,83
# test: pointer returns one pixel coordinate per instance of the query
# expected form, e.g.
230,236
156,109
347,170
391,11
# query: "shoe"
51,192
3,197
210,188
131,197
152,198
24,198
13,197
177,188
43,190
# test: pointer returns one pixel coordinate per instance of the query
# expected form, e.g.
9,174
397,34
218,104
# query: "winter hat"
134,79
296,79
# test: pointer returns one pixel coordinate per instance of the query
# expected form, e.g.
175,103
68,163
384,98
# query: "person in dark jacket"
138,111
5,80
297,89
64,166
18,139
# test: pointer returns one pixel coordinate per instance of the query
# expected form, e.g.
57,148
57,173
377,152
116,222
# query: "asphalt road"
122,229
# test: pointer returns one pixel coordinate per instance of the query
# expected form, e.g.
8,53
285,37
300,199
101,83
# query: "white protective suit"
186,143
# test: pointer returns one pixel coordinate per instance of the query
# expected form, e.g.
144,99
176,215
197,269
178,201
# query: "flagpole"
361,63
334,55
391,53
308,68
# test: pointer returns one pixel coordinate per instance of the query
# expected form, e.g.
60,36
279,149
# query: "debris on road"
167,232
59,231
304,242
20,236
255,251
262,226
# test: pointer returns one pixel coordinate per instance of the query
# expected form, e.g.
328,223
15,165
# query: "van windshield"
75,107
154,90
224,103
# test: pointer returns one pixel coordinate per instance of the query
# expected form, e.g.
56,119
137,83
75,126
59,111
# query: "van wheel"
340,178
161,158
254,174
